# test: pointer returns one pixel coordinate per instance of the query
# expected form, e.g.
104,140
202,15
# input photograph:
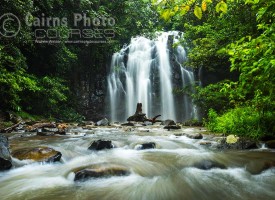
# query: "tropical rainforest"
233,41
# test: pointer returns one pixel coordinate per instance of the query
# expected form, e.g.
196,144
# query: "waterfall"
167,99
147,71
138,82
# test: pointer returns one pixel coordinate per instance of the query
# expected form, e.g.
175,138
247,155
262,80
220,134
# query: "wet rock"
39,154
205,143
5,158
241,144
100,170
168,122
101,144
172,127
270,144
149,145
103,122
39,125
196,136
45,133
208,164
49,129
128,124
257,168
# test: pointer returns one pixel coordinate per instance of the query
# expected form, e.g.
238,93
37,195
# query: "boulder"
101,144
128,124
49,129
168,122
172,127
149,145
100,170
5,158
257,168
196,136
241,144
270,144
39,125
208,164
45,133
38,154
103,122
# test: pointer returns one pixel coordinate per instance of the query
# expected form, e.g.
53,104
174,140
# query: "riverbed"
167,172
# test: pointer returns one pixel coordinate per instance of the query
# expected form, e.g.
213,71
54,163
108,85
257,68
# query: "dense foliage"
234,40
231,41
48,79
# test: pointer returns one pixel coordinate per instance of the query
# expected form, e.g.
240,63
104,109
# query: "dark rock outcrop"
101,144
241,144
128,124
196,136
208,164
270,144
100,170
168,122
45,133
39,154
5,158
149,145
172,127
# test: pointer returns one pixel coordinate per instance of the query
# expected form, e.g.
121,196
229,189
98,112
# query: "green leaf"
198,12
221,7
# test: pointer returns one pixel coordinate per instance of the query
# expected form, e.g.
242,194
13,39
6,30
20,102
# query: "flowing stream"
146,72
166,172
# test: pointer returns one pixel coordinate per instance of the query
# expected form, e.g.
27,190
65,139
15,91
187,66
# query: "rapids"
166,172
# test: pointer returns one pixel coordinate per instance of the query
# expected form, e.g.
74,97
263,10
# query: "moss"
36,154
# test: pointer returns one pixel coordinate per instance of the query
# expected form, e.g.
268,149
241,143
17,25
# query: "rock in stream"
101,144
5,158
100,170
38,154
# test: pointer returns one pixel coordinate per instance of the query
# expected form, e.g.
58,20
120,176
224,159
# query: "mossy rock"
38,154
100,170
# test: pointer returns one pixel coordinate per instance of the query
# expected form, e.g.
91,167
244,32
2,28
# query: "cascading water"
167,99
145,72
188,80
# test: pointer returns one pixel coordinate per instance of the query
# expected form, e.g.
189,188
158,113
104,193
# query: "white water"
167,99
138,82
144,73
163,173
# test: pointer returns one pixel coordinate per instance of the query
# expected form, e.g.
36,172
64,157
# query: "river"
166,172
